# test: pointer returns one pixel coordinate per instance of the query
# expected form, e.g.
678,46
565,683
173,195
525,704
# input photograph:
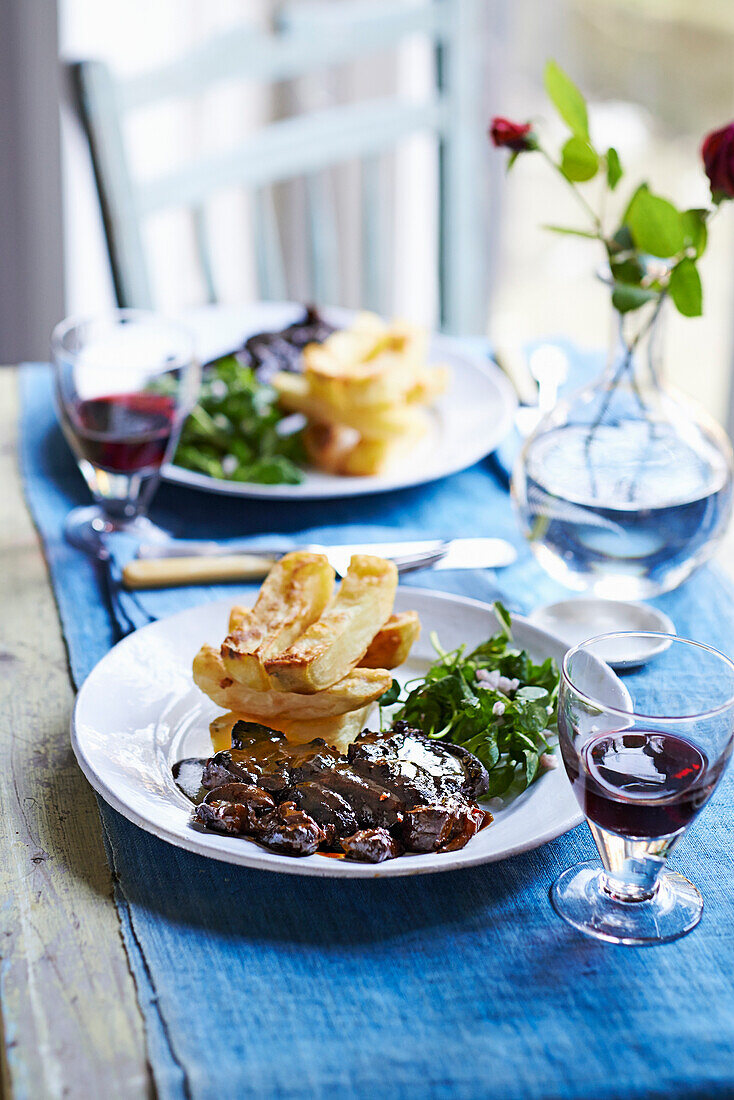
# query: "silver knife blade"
471,553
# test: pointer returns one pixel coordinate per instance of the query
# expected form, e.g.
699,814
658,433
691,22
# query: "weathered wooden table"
71,1022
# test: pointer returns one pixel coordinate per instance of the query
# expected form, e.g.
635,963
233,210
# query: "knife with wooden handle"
177,572
207,567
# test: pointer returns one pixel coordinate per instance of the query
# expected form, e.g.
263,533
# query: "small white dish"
577,620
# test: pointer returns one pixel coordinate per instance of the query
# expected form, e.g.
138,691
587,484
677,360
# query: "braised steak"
394,792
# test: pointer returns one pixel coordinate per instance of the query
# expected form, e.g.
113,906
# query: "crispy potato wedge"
373,421
292,596
391,645
327,446
387,649
339,450
429,384
239,618
376,388
345,349
339,731
220,730
329,648
357,688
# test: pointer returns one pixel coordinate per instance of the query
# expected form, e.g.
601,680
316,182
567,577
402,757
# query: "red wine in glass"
124,384
640,784
124,433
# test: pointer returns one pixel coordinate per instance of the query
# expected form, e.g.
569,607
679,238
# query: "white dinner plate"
139,712
467,423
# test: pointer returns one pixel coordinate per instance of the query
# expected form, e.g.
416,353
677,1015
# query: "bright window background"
659,75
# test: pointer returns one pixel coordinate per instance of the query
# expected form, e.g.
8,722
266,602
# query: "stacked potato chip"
364,392
305,661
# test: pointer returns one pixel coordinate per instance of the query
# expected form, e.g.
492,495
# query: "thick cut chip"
373,421
326,652
358,688
428,385
391,645
239,618
339,450
338,732
381,378
292,596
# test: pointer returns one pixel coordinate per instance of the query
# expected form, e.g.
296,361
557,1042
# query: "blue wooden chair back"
310,35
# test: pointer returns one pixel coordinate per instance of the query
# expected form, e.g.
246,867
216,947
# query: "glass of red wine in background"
642,768
125,383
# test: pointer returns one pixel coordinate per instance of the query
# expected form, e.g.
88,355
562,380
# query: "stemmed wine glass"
641,771
125,382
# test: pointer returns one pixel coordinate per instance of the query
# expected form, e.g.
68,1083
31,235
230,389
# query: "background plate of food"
166,694
297,405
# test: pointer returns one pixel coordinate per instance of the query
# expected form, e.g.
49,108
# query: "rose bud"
718,160
518,137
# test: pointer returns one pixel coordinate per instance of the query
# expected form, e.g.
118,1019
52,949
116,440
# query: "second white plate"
468,422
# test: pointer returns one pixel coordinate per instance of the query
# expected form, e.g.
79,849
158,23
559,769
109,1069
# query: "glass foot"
86,527
580,897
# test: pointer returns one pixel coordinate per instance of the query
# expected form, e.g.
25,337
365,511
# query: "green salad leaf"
236,431
495,701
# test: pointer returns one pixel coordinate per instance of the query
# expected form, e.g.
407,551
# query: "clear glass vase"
625,487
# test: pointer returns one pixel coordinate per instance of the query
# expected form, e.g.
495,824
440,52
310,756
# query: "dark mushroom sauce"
270,352
392,793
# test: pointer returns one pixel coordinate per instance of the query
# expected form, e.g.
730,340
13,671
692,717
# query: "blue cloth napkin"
458,985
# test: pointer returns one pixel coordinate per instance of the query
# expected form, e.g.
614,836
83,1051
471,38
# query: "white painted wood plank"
99,106
304,44
296,146
72,1026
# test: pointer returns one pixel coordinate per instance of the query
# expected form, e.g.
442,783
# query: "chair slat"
203,248
268,250
296,146
323,240
373,239
463,290
300,47
99,110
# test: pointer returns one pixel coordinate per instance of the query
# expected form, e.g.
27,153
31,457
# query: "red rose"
718,159
518,137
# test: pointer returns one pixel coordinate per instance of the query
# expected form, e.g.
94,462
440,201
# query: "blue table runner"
462,984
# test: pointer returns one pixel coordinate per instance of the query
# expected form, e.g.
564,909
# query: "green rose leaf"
614,168
642,189
628,271
625,298
579,162
622,241
656,226
694,228
567,231
685,288
567,99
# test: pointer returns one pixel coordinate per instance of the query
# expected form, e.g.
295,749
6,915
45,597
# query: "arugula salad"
237,432
494,700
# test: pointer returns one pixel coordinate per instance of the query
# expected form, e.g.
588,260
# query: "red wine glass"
125,383
641,770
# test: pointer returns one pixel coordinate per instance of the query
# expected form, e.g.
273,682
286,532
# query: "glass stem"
632,866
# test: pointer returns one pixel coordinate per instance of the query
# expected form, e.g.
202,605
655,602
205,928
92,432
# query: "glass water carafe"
626,487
